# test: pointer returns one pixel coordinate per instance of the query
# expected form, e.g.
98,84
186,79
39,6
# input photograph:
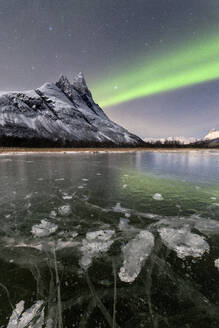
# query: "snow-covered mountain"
212,134
182,140
60,113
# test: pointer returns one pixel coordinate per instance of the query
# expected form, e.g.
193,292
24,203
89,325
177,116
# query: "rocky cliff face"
59,114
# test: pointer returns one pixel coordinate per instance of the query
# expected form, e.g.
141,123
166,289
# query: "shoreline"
22,151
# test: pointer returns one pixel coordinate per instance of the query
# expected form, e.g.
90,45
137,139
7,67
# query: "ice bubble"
64,210
84,179
81,187
157,196
135,253
44,229
66,197
213,198
183,242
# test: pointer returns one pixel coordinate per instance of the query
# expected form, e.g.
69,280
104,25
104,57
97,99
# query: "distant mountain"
212,134
181,140
59,114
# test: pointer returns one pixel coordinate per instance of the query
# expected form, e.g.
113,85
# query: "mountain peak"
63,80
79,83
60,114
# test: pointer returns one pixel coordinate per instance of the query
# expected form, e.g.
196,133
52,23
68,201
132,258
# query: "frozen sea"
109,239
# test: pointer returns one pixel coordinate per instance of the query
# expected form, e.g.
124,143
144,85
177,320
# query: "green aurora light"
188,65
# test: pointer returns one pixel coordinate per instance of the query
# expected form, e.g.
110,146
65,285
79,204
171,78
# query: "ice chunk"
45,228
100,235
74,234
52,214
216,263
64,210
31,318
135,253
157,196
95,242
207,226
183,242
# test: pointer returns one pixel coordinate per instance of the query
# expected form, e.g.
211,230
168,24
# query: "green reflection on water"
138,189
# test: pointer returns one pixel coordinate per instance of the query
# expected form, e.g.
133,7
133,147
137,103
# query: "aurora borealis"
190,65
152,65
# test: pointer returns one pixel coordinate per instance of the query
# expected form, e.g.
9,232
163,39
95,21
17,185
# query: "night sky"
153,65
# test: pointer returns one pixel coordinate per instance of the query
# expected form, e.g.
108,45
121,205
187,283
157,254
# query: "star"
115,87
50,28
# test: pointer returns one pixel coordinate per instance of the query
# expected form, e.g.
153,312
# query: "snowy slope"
60,113
212,134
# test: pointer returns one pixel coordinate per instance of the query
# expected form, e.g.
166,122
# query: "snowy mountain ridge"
182,140
212,134
60,113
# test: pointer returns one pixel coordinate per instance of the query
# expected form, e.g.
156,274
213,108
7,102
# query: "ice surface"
64,210
95,242
31,318
183,242
124,224
135,253
118,209
157,196
45,228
